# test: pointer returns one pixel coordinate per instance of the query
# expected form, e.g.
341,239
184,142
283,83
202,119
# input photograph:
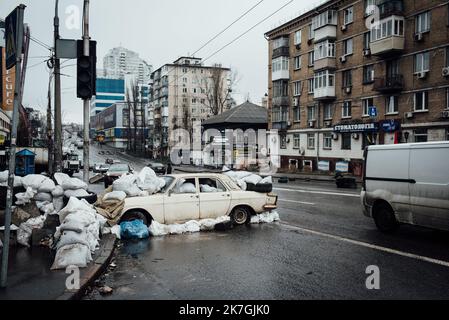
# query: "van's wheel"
384,218
135,215
240,216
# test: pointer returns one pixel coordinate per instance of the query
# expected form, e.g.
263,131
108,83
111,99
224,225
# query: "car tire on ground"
240,216
135,215
384,218
260,187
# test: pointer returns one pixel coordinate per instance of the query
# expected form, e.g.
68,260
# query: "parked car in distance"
407,183
115,171
157,167
101,168
198,196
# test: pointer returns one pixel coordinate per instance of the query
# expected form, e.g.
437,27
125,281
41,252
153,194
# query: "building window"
283,141
310,141
392,26
296,141
392,105
324,79
366,40
328,111
311,113
327,141
280,64
366,104
280,89
347,78
345,141
280,42
297,62
324,49
297,114
184,90
311,32
348,15
297,88
311,58
368,74
325,18
421,101
422,62
422,22
298,36
348,46
311,86
420,135
346,109
370,6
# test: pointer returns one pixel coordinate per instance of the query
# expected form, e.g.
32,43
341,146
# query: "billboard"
8,81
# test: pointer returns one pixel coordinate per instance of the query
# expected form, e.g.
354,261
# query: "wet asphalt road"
319,250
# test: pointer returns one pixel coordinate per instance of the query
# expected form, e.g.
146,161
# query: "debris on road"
105,290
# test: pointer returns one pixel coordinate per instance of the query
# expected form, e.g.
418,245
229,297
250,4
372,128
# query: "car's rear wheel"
135,215
240,216
384,218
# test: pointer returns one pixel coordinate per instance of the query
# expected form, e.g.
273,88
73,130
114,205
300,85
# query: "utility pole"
49,131
86,113
58,116
12,152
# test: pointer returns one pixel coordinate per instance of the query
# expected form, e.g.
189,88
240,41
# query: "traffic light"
86,71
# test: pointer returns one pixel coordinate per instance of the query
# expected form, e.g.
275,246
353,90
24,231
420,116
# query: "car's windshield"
73,157
118,168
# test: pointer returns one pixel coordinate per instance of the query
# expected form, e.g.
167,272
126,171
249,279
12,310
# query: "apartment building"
120,61
185,92
351,73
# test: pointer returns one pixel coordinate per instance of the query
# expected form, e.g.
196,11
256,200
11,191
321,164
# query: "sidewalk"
30,277
297,176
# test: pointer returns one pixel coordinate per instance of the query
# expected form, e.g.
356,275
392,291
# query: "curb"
94,269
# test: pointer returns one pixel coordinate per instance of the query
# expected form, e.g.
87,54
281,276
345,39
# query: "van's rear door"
429,196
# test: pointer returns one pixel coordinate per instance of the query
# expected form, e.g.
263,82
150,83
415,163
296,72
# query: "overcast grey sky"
160,31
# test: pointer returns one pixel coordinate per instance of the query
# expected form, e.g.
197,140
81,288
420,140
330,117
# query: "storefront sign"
11,38
358,127
8,82
342,166
391,126
323,165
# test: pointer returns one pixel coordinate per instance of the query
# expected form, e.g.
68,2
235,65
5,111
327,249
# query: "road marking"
372,246
300,202
319,192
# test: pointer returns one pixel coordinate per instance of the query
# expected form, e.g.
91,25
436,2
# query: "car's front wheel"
240,216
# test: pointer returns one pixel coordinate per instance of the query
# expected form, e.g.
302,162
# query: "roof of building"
245,113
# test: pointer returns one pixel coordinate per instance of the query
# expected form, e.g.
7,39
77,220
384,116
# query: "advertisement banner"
8,83
357,127
11,38
342,166
323,166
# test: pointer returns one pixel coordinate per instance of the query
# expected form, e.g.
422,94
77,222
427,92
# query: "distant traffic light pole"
86,46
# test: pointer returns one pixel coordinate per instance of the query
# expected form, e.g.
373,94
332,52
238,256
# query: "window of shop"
366,103
420,135
421,101
311,141
296,141
346,109
346,141
368,139
392,104
327,141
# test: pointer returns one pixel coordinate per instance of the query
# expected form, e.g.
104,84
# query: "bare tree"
218,89
132,97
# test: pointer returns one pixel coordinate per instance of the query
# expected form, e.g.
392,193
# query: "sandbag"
266,180
73,184
25,197
47,186
57,192
58,203
60,177
43,197
72,237
76,193
187,187
115,196
133,191
135,229
4,176
26,228
72,255
208,189
33,181
254,179
124,182
75,205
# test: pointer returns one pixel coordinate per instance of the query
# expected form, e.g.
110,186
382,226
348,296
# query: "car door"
179,205
214,198
429,195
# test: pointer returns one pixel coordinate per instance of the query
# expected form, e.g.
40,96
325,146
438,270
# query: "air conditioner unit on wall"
311,124
348,89
367,52
327,123
445,72
419,36
298,46
343,58
409,115
344,27
295,102
421,75
445,114
334,136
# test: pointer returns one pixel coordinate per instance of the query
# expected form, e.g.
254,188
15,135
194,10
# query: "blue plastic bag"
135,229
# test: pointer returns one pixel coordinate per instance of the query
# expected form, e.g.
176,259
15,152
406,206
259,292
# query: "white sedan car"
198,196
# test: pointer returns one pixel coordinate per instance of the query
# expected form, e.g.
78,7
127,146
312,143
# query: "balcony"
327,32
324,93
280,125
389,84
325,63
281,52
281,101
387,46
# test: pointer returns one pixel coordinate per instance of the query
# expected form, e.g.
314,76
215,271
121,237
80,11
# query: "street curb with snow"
89,274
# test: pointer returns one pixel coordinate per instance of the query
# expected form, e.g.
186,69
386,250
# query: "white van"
407,183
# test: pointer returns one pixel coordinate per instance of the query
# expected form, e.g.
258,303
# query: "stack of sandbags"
243,178
73,187
4,179
144,183
79,234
